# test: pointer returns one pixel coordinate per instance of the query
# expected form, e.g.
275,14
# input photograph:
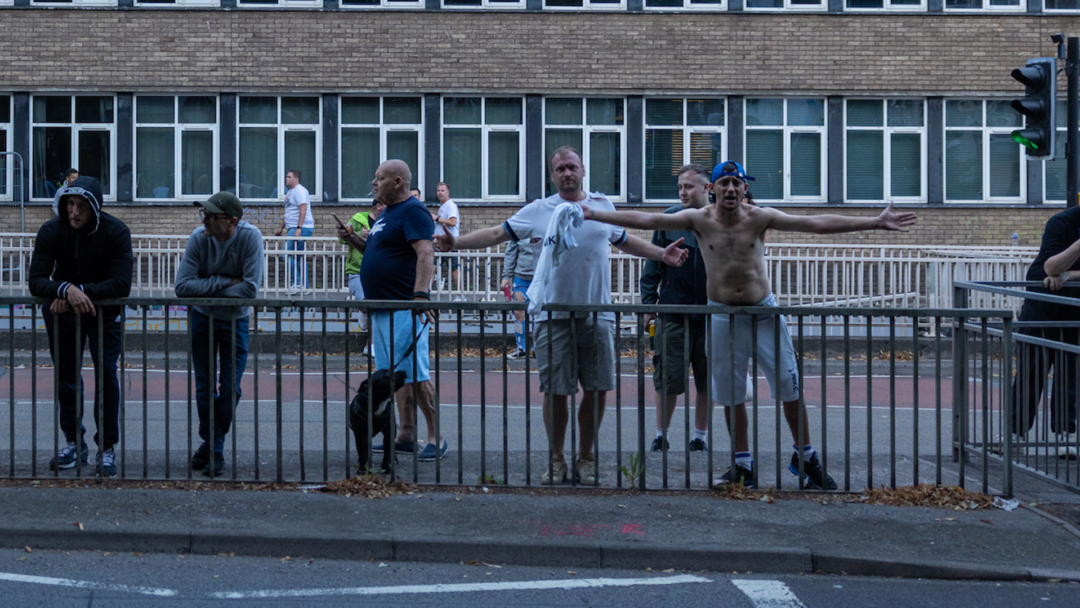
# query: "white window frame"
686,130
486,5
986,132
76,130
586,130
822,130
789,6
73,3
384,129
312,4
383,4
7,2
589,5
986,8
689,6
179,4
315,191
178,130
485,131
887,133
887,7
8,163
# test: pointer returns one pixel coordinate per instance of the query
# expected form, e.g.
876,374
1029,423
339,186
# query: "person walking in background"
446,222
354,235
298,222
517,275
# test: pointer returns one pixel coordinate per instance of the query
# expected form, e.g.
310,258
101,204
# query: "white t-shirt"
583,275
446,211
293,199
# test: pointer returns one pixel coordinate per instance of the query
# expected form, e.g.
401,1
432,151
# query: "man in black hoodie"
83,254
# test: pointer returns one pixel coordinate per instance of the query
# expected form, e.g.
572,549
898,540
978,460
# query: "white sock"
699,434
807,450
659,433
744,459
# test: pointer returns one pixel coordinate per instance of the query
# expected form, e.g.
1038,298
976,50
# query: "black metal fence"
881,407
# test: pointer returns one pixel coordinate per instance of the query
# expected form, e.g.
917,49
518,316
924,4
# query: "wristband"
421,294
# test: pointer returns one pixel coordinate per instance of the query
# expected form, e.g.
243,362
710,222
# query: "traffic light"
1040,78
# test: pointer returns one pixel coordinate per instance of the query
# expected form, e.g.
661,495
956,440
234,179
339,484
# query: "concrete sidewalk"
564,528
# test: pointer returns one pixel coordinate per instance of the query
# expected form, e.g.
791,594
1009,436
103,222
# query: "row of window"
483,147
658,5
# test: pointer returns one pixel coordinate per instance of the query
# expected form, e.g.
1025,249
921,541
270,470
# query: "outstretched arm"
641,220
672,255
477,239
833,224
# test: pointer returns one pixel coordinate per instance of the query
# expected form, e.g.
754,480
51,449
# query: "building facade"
838,105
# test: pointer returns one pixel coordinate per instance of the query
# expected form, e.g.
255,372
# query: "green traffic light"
1023,141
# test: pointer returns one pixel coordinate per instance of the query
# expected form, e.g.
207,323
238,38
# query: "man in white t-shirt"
582,349
299,222
446,222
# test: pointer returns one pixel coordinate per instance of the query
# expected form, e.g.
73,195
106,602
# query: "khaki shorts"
561,372
669,360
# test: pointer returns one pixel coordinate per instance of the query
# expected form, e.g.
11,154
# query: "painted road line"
768,594
67,582
586,583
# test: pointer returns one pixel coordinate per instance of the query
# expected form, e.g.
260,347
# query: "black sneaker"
215,469
739,474
813,476
200,457
656,447
517,353
67,457
698,445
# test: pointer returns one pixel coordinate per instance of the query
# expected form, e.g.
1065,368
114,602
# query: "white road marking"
67,582
590,583
768,594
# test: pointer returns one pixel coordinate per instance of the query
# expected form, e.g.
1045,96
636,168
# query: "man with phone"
355,236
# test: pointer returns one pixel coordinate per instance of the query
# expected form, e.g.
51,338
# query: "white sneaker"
1067,448
293,290
367,350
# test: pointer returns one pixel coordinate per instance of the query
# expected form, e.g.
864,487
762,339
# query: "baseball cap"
223,202
730,167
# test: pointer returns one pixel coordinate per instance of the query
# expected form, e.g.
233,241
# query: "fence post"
959,375
1007,405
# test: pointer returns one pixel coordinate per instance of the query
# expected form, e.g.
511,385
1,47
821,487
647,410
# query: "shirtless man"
731,236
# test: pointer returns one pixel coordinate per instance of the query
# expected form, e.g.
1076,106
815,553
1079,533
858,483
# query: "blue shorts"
521,286
405,327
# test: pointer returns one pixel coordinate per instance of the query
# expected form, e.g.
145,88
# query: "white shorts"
727,370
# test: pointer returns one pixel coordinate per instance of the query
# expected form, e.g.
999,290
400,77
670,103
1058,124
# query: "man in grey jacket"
223,259
517,275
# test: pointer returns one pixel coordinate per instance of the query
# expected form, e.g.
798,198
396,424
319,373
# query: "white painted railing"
801,274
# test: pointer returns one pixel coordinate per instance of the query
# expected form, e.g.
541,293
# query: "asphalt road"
89,579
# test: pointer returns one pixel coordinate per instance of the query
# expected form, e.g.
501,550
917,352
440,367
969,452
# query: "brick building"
831,104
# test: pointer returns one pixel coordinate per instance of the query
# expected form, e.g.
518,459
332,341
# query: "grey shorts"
730,375
561,372
669,360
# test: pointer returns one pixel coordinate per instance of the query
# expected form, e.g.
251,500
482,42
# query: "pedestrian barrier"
1041,438
881,409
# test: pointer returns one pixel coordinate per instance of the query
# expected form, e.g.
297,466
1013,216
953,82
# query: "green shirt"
352,263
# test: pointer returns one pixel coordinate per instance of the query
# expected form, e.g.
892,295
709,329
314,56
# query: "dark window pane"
905,112
806,112
154,162
963,165
605,163
402,111
461,110
664,3
198,110
706,148
604,112
52,109
765,162
300,110
865,113
562,112
553,140
359,159
502,111
5,108
963,113
663,112
91,110
300,155
461,161
462,2
258,110
705,112
360,110
404,145
663,158
258,163
94,157
764,112
154,109
197,162
865,165
52,156
504,174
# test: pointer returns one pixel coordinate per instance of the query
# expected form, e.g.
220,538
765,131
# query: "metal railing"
877,407
1028,417
801,275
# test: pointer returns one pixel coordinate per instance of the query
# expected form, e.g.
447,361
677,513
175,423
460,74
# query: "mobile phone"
340,225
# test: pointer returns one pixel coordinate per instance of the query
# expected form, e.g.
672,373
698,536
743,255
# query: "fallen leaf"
286,559
21,559
668,570
987,521
29,550
80,525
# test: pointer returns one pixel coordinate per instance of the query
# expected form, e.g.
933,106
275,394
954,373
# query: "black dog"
381,392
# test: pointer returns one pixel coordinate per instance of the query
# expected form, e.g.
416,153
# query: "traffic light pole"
1072,173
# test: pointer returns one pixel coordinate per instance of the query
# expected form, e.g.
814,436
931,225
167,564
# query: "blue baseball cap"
730,167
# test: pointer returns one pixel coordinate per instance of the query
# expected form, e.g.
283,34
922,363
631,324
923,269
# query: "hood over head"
86,187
